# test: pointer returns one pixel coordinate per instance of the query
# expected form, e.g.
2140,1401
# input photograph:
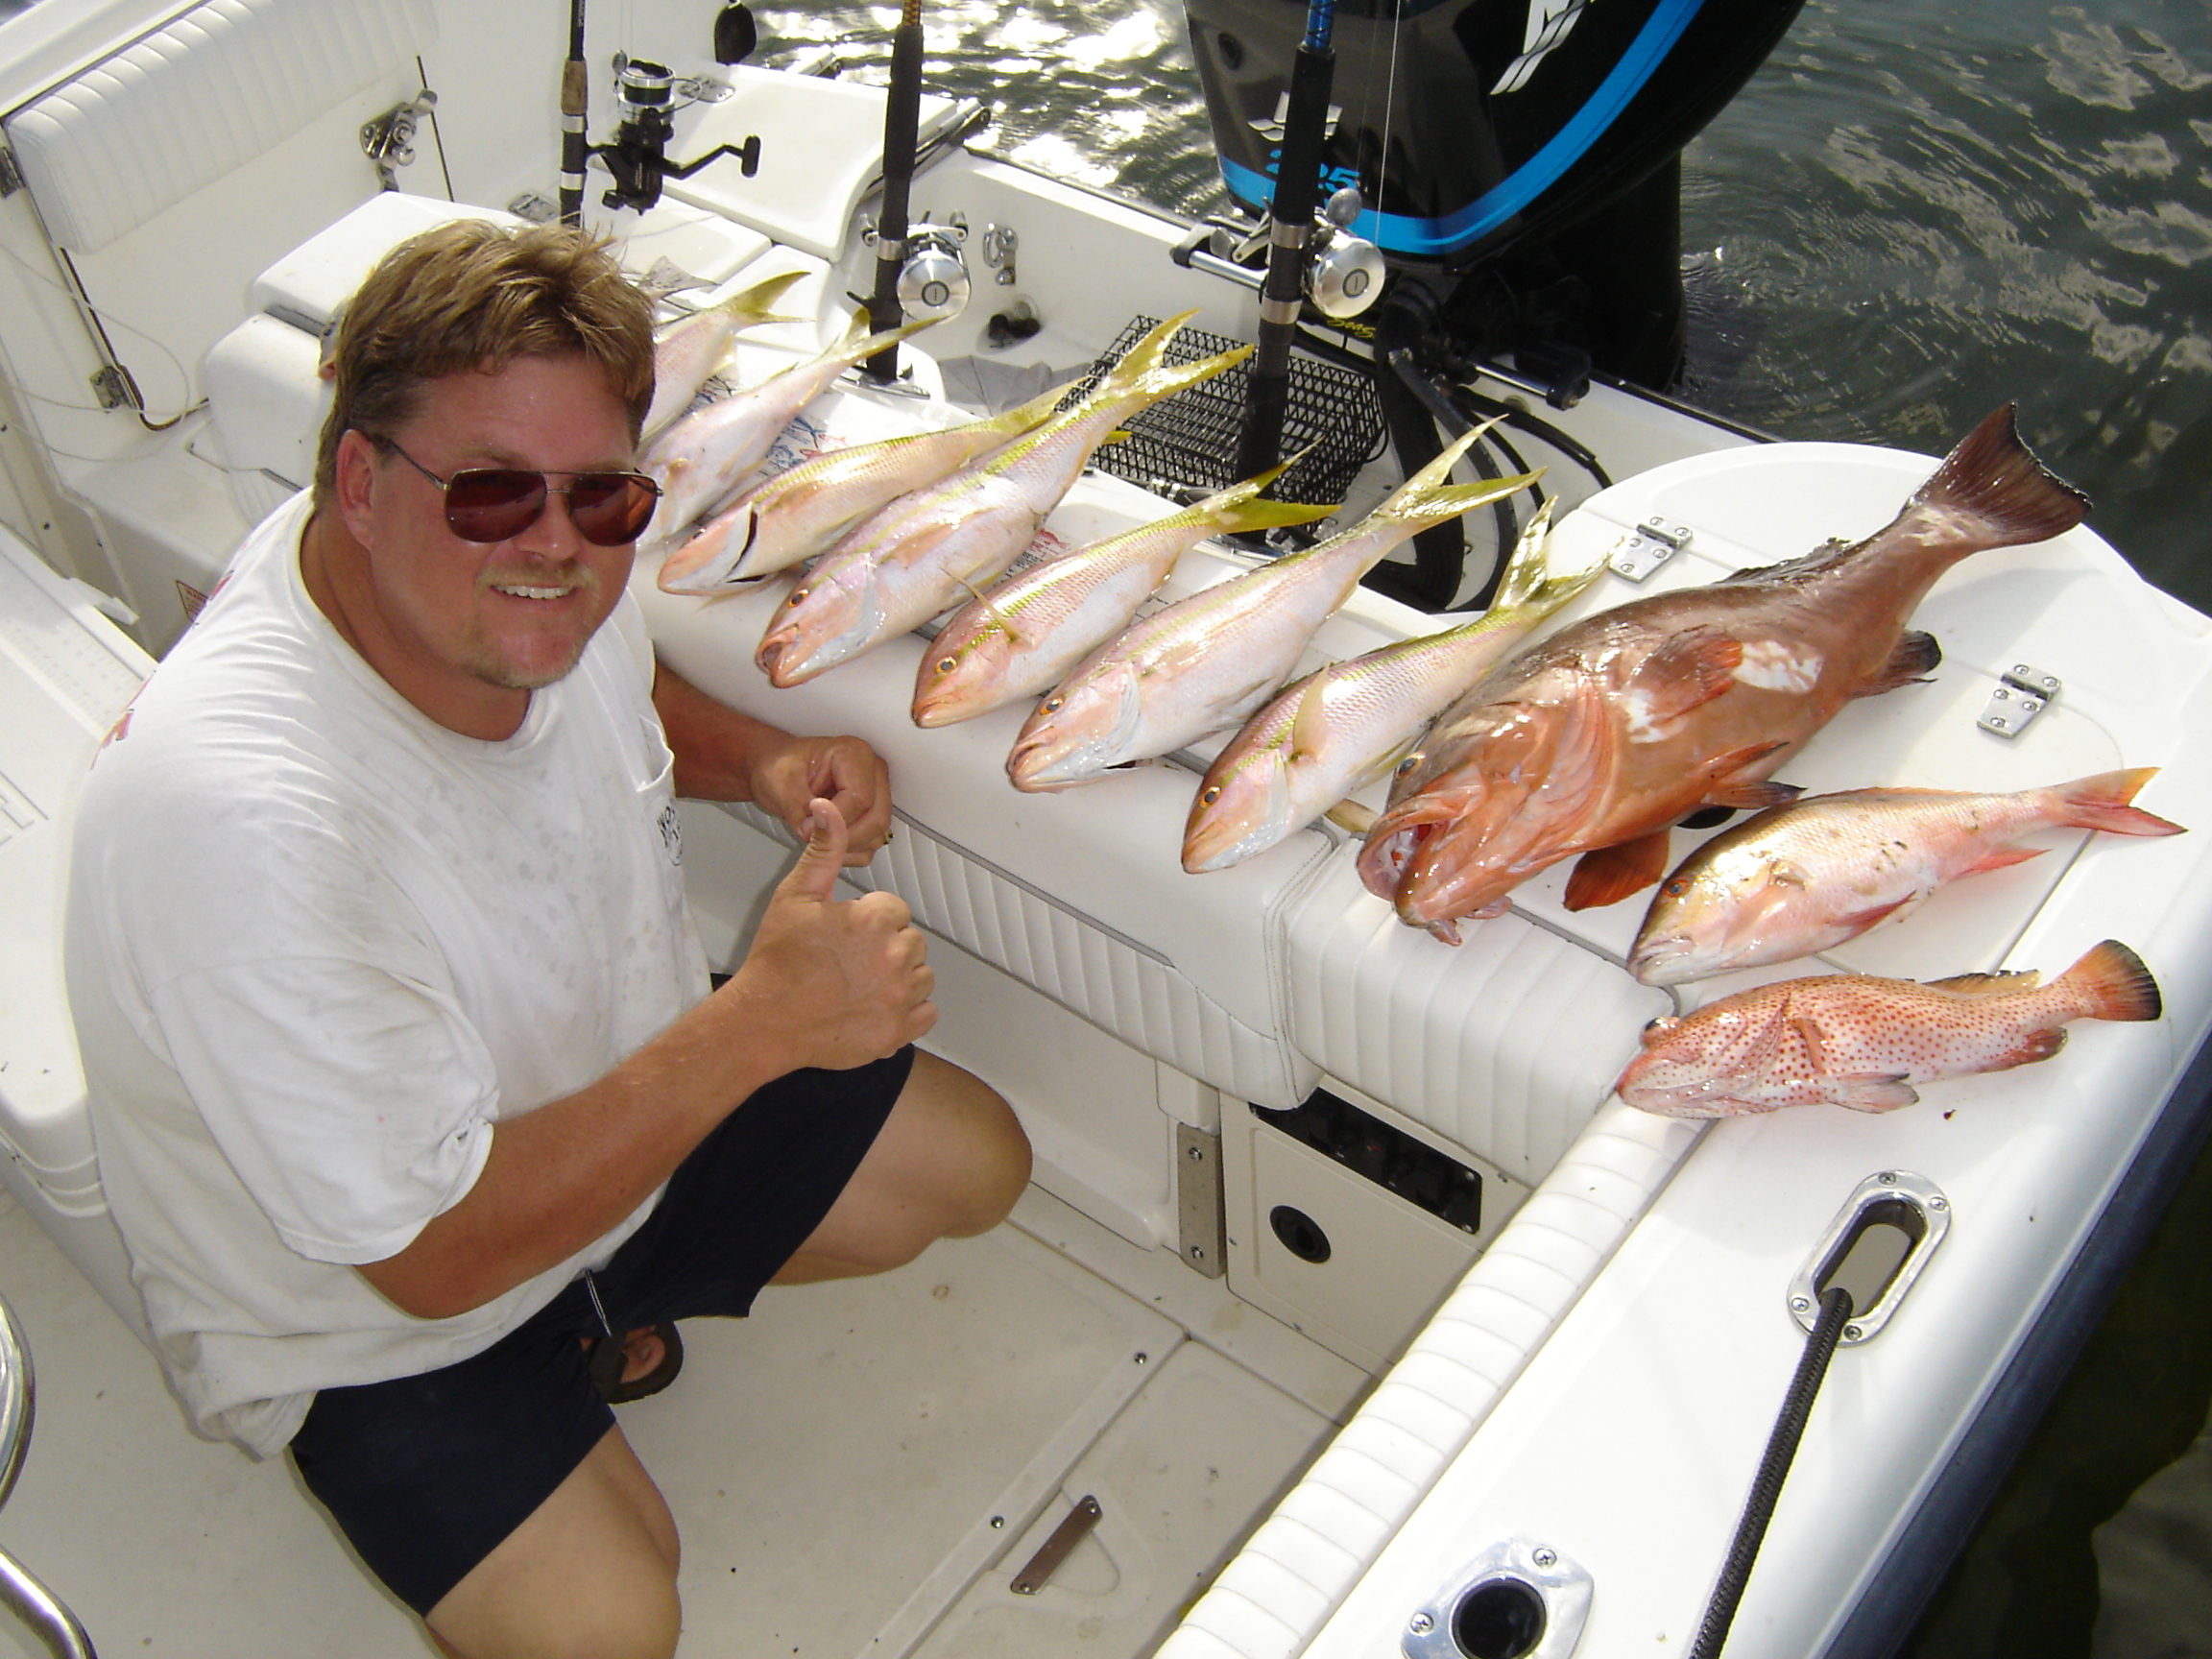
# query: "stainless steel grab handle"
21,1593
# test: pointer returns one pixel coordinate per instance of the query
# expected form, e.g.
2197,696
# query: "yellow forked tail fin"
1429,497
749,307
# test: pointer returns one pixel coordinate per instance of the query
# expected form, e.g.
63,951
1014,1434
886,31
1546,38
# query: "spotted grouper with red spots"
1861,1042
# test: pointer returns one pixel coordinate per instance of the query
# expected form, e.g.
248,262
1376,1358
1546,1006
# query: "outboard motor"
1519,166
1522,154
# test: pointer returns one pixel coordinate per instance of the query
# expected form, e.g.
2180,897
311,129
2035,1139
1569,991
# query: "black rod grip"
901,137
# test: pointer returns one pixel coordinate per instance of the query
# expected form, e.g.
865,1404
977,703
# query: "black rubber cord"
1767,1485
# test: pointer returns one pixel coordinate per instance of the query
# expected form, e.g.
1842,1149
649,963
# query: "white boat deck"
835,1463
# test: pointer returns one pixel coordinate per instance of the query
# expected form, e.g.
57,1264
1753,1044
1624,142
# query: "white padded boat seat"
227,81
1505,1045
805,193
65,676
1080,895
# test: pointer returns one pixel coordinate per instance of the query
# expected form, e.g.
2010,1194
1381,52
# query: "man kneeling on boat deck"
408,1085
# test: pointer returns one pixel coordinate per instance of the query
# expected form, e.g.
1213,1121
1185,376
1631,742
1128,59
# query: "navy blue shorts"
426,1475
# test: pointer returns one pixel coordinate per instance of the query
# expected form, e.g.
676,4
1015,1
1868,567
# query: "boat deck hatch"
1874,1249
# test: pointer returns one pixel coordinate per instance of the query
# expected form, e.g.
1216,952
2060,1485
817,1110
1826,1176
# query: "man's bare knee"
590,1575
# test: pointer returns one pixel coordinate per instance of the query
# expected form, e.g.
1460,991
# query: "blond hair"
474,295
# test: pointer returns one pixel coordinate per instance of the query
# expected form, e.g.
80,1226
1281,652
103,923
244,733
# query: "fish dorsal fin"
1608,874
1309,728
2002,983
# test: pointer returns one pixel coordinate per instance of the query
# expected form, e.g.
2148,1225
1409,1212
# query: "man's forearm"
561,1175
717,749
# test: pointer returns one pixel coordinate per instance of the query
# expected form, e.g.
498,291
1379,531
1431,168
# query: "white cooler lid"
67,674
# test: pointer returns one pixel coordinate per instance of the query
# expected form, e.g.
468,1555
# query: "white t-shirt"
318,944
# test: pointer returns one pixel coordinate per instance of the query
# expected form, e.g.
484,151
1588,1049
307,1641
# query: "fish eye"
1663,1023
1675,888
1208,797
1052,704
798,596
946,665
1407,764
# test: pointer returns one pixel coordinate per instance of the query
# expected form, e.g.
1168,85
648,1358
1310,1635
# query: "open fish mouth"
1667,960
1384,861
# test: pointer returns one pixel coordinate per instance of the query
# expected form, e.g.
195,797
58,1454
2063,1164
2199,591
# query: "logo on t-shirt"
672,834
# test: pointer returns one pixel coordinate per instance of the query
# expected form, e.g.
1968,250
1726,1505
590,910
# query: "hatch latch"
2023,692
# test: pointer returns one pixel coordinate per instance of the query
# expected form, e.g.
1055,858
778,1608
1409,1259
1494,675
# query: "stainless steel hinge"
1202,1233
2023,692
1648,546
116,389
11,175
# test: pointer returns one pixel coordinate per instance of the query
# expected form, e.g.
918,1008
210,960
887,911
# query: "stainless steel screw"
1800,1304
1546,1558
1421,1625
1887,1178
1852,1332
1196,1154
1143,1359
1938,1202
998,1522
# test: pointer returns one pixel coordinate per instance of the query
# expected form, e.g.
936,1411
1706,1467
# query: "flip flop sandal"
608,1359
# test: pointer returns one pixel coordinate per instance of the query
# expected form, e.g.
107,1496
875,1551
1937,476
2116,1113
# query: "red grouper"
1605,734
1856,1041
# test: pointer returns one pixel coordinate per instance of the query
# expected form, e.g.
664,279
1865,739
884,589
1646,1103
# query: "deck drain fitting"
1518,1599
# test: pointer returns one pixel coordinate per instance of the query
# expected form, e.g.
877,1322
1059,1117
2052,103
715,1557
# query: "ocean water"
1914,212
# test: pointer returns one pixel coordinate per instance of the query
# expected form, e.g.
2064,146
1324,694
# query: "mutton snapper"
917,556
1807,877
688,353
1019,637
1206,663
1345,726
804,510
1605,734
1856,1041
704,457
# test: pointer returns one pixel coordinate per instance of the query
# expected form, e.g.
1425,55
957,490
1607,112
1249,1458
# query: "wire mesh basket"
1188,442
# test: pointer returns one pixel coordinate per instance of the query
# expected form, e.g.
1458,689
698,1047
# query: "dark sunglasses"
494,503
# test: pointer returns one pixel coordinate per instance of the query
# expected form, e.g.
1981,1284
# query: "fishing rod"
901,137
1291,226
575,147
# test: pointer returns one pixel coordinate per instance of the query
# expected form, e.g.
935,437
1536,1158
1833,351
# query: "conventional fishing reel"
1343,274
648,96
933,281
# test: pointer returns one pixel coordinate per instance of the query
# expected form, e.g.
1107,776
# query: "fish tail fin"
2101,803
1023,417
1162,380
1994,477
1429,497
749,307
2111,983
1148,353
1525,572
859,343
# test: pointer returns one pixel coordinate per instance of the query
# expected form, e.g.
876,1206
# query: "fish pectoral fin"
1349,815
1688,670
1816,1046
1871,1092
1859,920
1914,658
1608,874
2002,983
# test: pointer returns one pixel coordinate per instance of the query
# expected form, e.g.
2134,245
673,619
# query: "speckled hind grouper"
1856,1041
1608,732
